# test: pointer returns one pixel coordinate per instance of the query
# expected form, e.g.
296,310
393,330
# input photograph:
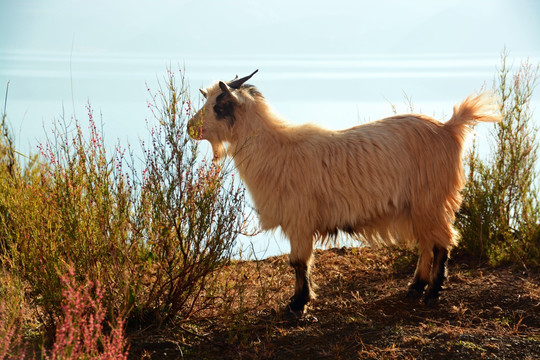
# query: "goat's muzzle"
194,127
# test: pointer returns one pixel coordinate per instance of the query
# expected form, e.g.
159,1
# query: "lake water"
335,91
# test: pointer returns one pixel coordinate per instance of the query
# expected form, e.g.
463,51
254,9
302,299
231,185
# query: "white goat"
396,180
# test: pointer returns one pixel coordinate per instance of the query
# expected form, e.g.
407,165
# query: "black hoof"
431,298
430,302
416,289
298,303
289,315
414,293
296,307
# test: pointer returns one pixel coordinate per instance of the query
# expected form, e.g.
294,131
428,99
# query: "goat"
395,180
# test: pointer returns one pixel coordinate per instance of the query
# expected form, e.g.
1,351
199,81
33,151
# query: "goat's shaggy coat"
396,180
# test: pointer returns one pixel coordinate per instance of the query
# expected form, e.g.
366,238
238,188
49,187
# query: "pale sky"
252,27
316,58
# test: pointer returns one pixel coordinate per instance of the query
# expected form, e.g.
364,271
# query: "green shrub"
187,216
499,216
150,234
74,210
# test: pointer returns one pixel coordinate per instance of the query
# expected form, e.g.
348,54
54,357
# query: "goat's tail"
474,109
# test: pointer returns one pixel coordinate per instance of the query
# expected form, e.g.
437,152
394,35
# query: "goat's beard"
219,150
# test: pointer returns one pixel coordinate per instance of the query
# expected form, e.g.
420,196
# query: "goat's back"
376,177
365,179
392,180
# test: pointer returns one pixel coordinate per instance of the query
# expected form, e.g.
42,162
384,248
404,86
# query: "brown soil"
362,313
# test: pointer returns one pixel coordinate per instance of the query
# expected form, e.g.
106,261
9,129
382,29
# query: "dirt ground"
362,313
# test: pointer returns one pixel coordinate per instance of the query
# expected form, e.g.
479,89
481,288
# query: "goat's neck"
261,136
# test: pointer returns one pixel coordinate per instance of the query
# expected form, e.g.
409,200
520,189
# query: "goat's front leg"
301,258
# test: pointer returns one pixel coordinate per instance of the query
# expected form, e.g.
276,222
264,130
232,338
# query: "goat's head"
215,120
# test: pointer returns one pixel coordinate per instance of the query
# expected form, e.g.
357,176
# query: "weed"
11,317
80,332
469,345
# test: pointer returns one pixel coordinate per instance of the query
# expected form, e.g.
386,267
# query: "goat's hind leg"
438,274
421,274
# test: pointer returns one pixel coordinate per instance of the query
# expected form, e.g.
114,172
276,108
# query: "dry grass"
361,312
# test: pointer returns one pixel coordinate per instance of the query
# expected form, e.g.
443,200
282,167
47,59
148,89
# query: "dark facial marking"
224,108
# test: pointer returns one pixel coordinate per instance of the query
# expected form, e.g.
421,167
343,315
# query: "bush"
150,234
187,216
499,216
74,210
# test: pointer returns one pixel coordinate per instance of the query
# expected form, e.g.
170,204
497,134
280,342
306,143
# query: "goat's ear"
204,93
228,91
224,87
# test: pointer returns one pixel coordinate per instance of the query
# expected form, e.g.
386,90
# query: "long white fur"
395,180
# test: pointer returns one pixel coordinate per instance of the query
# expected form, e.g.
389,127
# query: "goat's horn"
236,83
